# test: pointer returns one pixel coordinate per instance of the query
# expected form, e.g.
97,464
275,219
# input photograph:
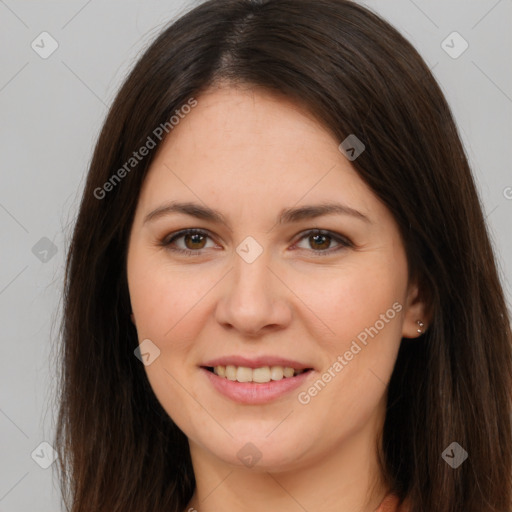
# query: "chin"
256,450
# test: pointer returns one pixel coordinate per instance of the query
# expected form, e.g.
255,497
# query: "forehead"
252,147
234,121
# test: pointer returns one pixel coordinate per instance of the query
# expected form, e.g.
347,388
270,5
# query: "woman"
280,292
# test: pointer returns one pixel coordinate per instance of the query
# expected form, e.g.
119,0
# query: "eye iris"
324,244
196,238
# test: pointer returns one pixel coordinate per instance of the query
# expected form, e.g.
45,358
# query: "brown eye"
194,241
321,241
189,241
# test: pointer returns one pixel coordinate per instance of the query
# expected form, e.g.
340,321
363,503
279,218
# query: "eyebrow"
287,215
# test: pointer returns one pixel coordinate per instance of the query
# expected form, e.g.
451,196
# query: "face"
266,287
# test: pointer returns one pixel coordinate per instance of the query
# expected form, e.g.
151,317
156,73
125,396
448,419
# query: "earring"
421,324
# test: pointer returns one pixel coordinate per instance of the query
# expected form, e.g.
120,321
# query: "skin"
249,154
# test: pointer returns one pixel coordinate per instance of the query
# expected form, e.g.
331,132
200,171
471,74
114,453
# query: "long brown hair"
119,450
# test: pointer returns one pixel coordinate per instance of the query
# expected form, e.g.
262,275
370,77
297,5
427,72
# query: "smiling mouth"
260,375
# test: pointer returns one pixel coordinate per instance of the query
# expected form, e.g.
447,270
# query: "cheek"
363,308
159,296
167,303
362,304
351,298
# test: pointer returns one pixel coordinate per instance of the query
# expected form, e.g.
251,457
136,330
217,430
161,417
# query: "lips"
262,369
256,362
261,374
257,380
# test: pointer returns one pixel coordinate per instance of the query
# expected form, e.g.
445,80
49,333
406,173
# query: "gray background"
51,113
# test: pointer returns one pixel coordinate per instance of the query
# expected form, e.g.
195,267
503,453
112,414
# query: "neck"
346,479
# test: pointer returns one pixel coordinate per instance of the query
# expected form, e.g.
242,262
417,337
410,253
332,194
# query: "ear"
417,318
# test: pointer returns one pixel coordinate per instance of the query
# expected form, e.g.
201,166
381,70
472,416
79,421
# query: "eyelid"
168,239
342,240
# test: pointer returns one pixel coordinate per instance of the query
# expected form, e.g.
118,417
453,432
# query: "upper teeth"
263,374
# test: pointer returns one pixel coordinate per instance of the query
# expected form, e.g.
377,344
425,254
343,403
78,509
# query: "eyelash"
343,241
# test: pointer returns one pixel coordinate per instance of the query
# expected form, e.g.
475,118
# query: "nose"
253,298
